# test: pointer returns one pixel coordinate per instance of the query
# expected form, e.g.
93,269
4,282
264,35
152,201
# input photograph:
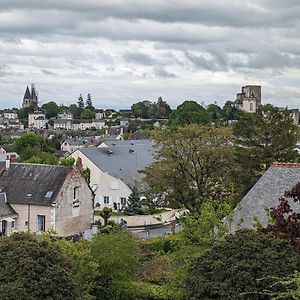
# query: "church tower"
30,98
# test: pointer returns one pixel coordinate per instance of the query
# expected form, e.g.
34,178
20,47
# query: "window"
41,223
106,199
123,200
76,193
13,224
4,227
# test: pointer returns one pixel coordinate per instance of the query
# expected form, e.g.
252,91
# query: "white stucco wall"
104,184
29,213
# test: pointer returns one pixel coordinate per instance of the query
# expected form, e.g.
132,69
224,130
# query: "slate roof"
265,193
5,209
27,94
29,183
79,141
122,159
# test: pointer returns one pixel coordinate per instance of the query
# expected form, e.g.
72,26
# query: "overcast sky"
124,51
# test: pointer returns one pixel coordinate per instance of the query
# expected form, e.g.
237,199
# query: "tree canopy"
189,112
51,109
262,138
34,269
241,267
191,163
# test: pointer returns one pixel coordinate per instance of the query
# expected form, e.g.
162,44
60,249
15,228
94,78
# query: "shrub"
241,267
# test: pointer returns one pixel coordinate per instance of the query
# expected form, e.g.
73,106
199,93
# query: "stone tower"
30,98
249,99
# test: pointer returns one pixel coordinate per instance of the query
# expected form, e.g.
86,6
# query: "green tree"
260,139
87,114
215,112
192,163
229,111
189,112
31,268
105,213
75,110
51,109
241,267
27,140
140,110
80,102
116,256
134,204
89,103
164,109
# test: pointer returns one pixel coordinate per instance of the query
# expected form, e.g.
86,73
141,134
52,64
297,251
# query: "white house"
11,115
66,124
37,120
65,115
116,168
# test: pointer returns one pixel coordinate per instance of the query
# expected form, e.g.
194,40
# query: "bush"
31,268
241,267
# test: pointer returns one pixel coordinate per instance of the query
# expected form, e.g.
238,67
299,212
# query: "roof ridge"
286,164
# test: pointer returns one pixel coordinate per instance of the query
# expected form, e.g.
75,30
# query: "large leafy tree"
241,267
189,112
31,268
51,109
27,140
87,114
191,163
262,138
229,111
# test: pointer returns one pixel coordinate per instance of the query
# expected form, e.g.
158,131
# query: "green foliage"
192,163
31,268
260,139
116,257
27,140
87,114
105,213
215,112
241,267
205,227
80,102
51,109
229,111
87,174
75,110
189,112
68,161
151,110
134,203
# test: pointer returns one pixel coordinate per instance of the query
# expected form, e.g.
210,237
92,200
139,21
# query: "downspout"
28,217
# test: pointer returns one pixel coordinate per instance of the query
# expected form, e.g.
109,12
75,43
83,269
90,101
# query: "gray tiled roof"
265,193
29,183
125,161
5,209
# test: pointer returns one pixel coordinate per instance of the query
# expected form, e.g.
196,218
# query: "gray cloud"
122,51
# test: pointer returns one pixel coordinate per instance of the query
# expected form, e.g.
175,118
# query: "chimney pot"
7,163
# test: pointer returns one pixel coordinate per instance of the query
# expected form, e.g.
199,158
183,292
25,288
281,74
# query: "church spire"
27,94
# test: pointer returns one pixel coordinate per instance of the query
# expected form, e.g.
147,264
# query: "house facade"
116,167
46,198
37,120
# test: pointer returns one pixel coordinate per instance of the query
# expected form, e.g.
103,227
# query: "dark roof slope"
5,209
265,194
27,94
122,159
32,183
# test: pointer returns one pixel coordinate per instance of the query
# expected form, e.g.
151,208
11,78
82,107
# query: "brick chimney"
79,164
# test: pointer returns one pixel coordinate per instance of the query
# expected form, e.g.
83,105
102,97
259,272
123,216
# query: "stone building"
249,99
39,198
30,98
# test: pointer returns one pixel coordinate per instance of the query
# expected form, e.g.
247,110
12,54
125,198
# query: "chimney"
79,164
7,163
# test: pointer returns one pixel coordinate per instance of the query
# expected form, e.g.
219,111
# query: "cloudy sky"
124,51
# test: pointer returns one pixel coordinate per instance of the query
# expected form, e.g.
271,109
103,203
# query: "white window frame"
106,199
